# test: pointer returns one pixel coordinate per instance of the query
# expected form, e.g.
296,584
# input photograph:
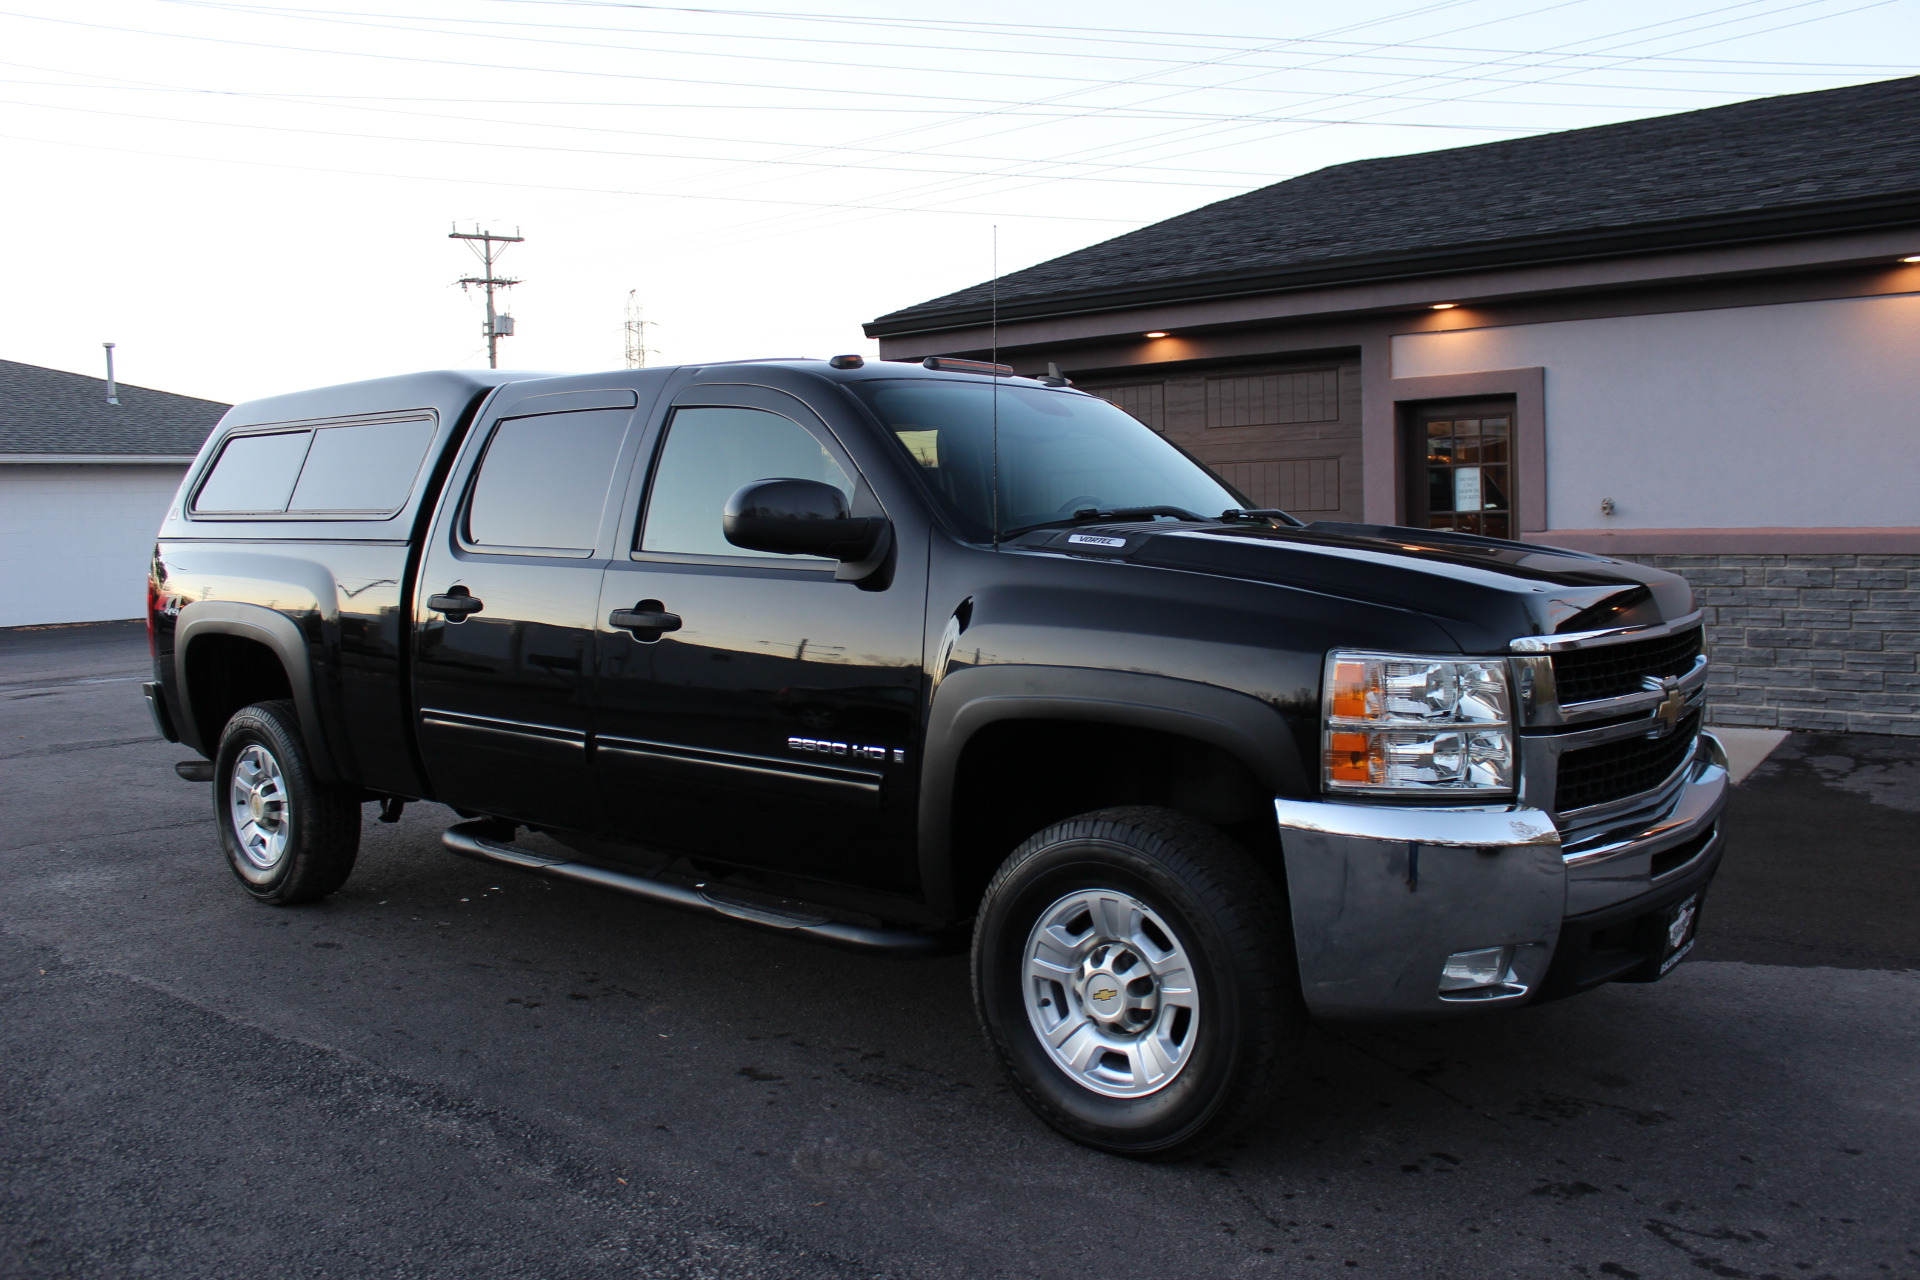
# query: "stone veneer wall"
1809,641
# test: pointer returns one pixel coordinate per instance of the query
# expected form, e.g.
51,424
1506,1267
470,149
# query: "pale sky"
255,198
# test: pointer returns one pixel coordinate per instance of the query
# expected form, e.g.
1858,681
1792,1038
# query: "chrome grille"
1625,767
1611,671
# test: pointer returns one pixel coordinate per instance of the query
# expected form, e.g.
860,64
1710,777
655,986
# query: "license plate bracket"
1679,925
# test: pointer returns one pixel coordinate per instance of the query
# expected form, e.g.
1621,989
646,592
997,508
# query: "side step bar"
470,840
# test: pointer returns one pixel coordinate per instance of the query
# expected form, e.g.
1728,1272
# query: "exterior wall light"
1157,333
1912,257
1445,306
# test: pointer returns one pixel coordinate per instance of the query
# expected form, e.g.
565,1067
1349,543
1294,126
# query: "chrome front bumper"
1381,896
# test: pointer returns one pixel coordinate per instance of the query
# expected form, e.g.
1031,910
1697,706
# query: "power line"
450,26
1226,55
541,186
1000,109
1078,34
130,86
1252,121
949,180
1427,8
548,148
948,188
489,66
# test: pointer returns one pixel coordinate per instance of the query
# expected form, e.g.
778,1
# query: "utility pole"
635,329
498,326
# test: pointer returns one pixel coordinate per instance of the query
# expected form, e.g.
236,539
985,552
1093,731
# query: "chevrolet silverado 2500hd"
892,654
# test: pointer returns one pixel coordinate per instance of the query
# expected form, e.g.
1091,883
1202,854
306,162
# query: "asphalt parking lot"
448,1071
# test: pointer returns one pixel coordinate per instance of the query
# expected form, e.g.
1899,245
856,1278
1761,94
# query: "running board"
470,840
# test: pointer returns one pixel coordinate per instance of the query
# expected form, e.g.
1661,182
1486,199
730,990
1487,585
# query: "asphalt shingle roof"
51,411
1830,160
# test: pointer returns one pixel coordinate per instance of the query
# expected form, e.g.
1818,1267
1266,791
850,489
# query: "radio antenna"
993,341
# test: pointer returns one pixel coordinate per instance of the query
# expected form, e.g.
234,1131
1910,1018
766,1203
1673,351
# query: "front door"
505,616
1460,467
765,718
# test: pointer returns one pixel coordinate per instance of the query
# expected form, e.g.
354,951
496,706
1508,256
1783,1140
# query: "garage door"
76,539
1287,436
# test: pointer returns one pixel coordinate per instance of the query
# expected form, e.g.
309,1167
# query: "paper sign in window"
1466,488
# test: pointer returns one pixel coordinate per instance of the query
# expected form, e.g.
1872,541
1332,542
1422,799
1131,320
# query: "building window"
1460,467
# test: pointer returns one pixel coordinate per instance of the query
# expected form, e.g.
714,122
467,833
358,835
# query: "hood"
1484,591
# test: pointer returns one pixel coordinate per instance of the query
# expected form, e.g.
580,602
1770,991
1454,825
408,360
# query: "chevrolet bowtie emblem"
1672,708
1105,993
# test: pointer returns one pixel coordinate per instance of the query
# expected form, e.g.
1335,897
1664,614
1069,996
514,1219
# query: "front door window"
1464,469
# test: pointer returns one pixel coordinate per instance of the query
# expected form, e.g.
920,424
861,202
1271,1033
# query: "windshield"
1060,452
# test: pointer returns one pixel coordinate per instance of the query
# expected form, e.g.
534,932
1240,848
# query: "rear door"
770,726
507,595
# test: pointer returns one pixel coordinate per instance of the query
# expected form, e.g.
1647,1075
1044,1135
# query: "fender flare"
279,634
969,700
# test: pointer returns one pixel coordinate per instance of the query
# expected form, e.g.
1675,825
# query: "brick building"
1692,340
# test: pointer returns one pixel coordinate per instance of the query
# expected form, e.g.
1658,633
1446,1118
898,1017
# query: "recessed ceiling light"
1445,306
1915,257
1156,334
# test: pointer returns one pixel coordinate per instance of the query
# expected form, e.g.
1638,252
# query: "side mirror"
799,517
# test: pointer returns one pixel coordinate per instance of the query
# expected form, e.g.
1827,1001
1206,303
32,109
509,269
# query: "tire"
288,836
1158,954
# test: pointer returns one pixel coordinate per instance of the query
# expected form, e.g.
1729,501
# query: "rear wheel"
1133,970
288,836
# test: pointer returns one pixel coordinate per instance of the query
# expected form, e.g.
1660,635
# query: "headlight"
1402,723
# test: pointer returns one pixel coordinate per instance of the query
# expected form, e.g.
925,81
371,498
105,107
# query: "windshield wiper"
1097,515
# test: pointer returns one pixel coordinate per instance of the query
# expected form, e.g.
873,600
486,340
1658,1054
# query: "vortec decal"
821,747
1095,540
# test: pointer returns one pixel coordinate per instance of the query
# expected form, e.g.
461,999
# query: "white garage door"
75,540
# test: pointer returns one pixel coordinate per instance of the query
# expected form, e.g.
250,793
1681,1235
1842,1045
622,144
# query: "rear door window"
364,468
542,484
254,474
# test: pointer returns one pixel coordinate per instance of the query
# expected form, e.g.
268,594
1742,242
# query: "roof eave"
1866,214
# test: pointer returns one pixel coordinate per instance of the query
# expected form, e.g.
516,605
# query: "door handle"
456,604
647,620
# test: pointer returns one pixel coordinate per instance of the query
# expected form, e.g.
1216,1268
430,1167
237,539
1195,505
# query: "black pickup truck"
893,655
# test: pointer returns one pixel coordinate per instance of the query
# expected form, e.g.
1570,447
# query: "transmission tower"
635,331
498,326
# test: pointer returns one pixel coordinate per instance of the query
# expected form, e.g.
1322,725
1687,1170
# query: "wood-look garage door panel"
1285,437
1292,484
1145,401
1273,399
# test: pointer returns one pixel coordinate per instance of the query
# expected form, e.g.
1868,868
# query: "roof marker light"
846,362
1157,333
1445,306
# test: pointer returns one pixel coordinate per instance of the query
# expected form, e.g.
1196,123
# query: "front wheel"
288,836
1133,971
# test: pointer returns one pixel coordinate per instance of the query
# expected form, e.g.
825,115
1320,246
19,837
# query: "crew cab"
911,657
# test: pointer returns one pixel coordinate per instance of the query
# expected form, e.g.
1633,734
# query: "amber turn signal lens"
1350,690
1350,757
